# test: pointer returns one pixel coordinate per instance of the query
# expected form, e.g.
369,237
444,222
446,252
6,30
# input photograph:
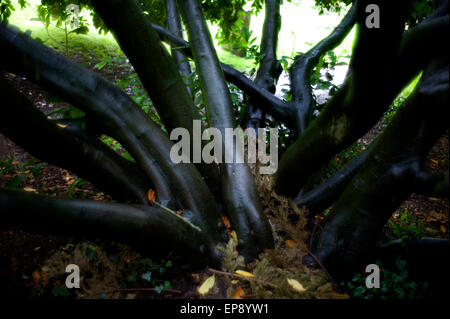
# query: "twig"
335,286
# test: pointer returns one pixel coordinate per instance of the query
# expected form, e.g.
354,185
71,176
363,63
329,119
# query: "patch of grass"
92,44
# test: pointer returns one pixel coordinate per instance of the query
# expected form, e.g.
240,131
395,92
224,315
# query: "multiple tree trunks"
238,187
150,229
365,192
393,170
177,186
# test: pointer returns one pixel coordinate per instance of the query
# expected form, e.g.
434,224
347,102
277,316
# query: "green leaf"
15,182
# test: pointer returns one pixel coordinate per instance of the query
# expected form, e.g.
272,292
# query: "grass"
301,28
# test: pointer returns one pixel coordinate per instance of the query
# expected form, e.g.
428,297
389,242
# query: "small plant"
406,226
148,272
394,284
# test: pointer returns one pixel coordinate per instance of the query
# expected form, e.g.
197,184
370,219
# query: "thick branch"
156,69
324,195
176,185
304,64
268,102
269,68
67,147
174,25
387,178
150,229
238,188
367,93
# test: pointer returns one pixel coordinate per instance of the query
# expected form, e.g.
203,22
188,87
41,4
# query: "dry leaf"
29,189
207,285
244,273
179,212
290,243
443,229
234,236
36,276
151,196
296,285
226,222
238,293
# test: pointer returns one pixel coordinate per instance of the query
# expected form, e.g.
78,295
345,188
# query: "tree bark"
174,26
71,148
372,83
392,171
150,229
269,68
177,185
238,187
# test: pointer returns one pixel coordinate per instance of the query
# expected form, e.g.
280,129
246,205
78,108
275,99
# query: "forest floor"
33,265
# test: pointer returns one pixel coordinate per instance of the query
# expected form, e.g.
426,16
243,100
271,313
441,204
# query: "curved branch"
304,64
388,177
176,184
67,147
357,106
268,102
238,187
324,195
174,25
269,68
156,69
149,229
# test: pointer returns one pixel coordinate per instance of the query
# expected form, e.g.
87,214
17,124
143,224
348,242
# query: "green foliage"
394,284
406,226
148,273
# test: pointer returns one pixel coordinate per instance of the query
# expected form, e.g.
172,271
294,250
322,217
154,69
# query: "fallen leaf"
443,229
29,189
290,243
36,276
296,285
226,222
207,285
151,196
238,293
234,236
244,273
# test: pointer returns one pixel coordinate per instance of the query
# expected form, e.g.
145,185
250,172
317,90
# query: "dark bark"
324,195
156,69
374,83
304,64
150,229
267,101
391,173
177,185
70,147
238,187
269,67
174,26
